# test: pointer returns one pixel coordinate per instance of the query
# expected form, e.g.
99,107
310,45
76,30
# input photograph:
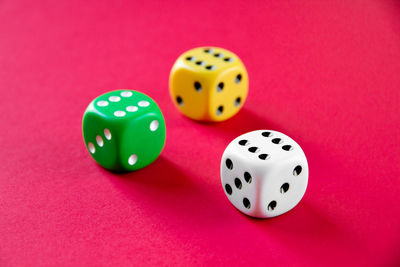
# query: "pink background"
326,73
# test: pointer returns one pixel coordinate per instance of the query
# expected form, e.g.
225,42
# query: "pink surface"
326,74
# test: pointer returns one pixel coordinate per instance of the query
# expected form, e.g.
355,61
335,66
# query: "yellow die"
208,84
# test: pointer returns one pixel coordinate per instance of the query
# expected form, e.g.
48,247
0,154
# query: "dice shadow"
162,173
305,221
166,189
243,122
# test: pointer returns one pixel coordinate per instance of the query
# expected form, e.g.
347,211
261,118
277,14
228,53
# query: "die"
208,84
264,173
123,130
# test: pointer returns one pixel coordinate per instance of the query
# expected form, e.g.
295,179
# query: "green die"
124,130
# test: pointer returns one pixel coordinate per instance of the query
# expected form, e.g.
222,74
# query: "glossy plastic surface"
208,84
264,173
124,130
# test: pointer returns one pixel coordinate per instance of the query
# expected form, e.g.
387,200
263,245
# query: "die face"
143,140
284,186
241,182
203,84
278,167
100,141
120,106
118,115
228,93
190,93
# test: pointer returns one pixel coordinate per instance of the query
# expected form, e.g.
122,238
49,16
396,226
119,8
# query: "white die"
264,173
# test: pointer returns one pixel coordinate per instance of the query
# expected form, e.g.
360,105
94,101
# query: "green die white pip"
264,173
124,130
